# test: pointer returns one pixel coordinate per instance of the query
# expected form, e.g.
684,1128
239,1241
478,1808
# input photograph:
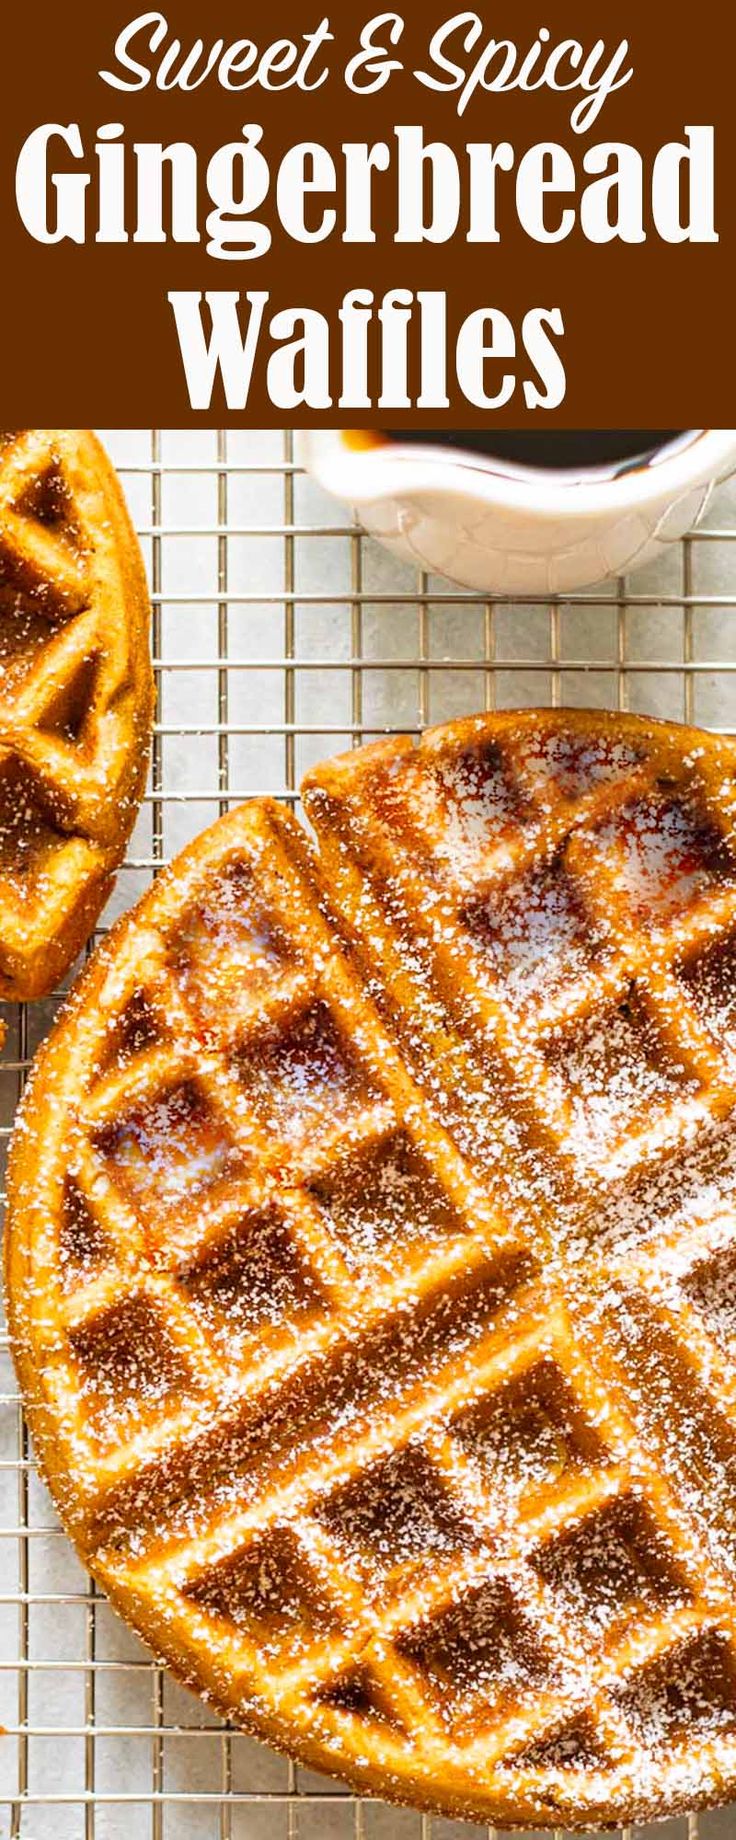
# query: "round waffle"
372,1269
76,697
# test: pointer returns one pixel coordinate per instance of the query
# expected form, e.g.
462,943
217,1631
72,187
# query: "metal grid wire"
280,634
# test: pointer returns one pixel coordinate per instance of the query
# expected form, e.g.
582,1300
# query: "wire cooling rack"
280,634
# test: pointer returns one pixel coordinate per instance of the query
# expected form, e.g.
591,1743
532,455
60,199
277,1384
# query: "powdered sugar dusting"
573,765
667,853
535,939
616,1072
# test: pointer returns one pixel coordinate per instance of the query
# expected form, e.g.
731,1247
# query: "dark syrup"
570,449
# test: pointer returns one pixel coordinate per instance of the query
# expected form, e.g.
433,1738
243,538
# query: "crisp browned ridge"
372,1269
76,697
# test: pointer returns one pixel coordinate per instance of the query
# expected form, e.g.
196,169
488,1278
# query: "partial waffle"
75,697
372,1269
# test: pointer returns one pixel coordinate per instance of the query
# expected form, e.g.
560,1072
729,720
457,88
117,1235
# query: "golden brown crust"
76,704
216,1426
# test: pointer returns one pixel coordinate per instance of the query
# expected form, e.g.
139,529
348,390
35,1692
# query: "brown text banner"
389,217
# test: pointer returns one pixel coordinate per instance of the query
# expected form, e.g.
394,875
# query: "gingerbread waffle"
371,1269
76,697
